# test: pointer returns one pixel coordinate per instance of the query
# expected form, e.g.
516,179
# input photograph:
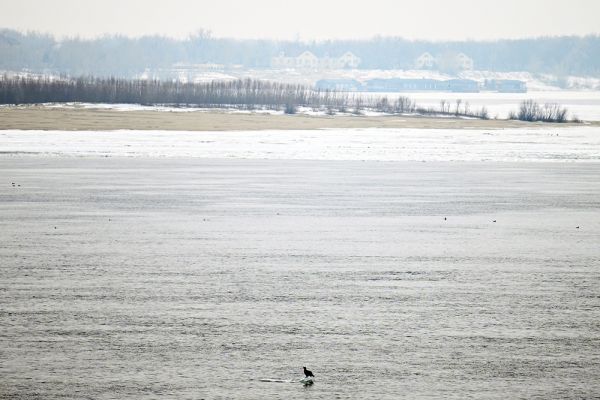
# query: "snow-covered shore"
574,144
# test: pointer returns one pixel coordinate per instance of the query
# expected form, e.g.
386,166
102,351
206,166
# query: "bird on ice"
308,373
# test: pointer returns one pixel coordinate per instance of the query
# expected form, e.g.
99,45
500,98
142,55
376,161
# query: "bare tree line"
246,94
242,94
27,90
460,109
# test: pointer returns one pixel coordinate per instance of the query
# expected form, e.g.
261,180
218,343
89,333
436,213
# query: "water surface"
196,278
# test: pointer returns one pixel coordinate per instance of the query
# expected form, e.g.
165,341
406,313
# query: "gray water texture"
149,278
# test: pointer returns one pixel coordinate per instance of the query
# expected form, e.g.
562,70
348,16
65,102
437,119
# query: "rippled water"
198,278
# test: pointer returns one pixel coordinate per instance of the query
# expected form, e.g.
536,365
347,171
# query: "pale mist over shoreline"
545,47
309,20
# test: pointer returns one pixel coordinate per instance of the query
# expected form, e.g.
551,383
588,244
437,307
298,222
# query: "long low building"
307,60
404,85
420,85
417,85
505,86
341,85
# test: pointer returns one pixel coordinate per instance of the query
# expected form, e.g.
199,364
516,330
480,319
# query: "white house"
457,61
464,62
425,61
307,60
348,60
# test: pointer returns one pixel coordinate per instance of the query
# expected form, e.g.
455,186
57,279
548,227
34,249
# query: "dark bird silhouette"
308,373
576,227
494,221
444,218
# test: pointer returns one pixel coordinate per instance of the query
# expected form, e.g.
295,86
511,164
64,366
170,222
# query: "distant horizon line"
209,35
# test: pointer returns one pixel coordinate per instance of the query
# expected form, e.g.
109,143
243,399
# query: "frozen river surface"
133,278
540,143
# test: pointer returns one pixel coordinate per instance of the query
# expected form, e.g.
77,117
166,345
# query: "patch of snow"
570,144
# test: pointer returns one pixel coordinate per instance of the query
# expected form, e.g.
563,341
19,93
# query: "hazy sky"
306,19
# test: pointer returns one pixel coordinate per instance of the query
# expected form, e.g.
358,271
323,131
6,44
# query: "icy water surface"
219,279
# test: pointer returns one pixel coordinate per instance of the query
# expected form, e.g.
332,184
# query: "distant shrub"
460,110
531,111
290,109
400,105
483,113
383,105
